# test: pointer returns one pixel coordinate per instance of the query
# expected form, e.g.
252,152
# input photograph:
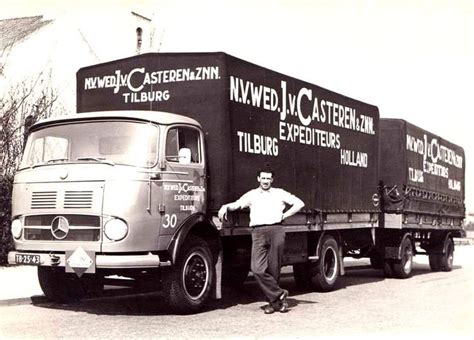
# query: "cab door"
183,177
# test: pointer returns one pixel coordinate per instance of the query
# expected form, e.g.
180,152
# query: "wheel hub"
195,276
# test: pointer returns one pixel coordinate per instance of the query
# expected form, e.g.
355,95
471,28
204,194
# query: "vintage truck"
130,186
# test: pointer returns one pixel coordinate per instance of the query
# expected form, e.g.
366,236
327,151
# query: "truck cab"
107,192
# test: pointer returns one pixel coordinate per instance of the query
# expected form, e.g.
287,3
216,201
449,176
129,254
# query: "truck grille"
78,199
81,228
69,199
43,200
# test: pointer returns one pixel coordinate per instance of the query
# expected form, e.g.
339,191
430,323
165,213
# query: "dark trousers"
267,252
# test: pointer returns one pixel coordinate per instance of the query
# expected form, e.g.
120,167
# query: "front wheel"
59,286
187,286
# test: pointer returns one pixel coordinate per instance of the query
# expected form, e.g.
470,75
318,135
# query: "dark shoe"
283,303
283,307
283,295
269,309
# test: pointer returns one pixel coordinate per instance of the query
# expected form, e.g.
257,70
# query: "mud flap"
342,272
217,292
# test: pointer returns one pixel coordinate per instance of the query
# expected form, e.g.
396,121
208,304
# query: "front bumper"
101,261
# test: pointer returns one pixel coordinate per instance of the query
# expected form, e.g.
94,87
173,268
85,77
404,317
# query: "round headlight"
16,228
115,229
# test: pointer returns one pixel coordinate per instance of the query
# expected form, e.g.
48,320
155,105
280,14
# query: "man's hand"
223,213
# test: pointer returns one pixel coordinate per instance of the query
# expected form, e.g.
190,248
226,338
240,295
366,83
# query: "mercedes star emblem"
60,227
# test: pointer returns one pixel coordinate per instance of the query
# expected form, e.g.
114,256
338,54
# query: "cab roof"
157,117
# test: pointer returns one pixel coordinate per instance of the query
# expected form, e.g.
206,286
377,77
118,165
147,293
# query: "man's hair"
267,170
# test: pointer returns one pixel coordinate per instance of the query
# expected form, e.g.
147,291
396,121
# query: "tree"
20,107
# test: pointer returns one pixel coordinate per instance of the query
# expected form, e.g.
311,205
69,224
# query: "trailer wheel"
187,285
402,268
444,261
324,272
59,286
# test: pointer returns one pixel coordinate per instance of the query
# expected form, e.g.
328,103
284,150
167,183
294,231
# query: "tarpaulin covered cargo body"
322,146
422,173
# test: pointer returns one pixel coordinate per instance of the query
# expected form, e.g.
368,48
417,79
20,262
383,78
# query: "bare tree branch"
20,107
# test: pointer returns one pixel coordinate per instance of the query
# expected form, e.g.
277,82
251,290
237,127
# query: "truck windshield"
125,143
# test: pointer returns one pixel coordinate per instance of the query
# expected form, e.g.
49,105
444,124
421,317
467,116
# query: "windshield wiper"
49,161
96,159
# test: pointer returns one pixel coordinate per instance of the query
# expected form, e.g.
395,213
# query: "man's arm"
228,207
296,205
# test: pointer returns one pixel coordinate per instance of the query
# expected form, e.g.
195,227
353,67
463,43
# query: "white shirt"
266,206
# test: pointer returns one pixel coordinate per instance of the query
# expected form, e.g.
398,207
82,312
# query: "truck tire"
446,259
323,273
187,285
403,268
59,286
443,262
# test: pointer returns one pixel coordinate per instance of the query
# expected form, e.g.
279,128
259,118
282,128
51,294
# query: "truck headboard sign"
322,146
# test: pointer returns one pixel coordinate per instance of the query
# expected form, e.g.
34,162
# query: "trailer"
422,189
131,185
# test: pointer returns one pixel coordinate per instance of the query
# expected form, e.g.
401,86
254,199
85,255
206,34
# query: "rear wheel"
402,268
324,272
443,261
187,286
446,261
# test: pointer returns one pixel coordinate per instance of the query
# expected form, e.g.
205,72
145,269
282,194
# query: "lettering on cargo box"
435,159
302,117
257,144
288,104
135,81
354,158
432,151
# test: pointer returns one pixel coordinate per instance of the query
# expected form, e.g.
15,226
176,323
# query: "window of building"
139,39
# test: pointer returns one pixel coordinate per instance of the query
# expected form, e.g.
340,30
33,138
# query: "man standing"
267,211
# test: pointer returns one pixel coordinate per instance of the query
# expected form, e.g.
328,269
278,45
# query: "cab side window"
183,145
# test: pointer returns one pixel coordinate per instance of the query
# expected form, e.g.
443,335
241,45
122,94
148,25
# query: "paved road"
365,304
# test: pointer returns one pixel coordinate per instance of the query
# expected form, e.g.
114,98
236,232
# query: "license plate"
27,259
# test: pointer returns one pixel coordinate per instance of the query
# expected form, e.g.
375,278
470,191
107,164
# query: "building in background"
38,51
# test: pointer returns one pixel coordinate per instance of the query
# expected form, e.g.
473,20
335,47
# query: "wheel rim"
450,255
330,265
408,259
195,276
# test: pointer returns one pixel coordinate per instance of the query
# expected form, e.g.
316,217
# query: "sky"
413,59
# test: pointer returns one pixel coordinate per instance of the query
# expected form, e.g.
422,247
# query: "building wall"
55,52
